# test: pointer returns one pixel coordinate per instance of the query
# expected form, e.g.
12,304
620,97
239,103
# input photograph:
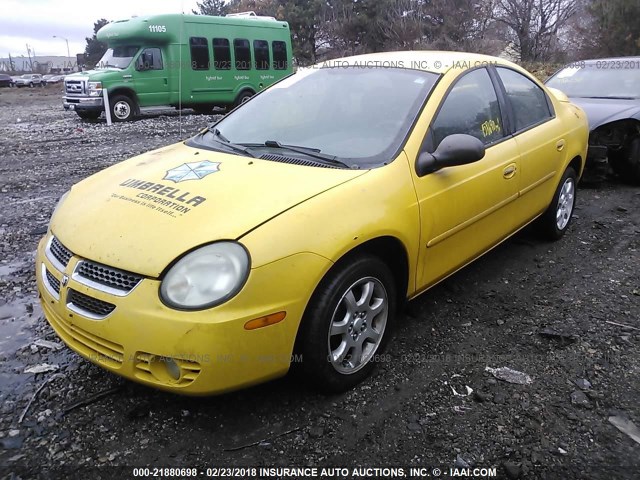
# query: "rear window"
279,55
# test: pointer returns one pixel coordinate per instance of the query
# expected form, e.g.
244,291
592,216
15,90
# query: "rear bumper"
94,104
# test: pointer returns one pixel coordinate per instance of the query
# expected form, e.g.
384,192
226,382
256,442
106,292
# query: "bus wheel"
243,97
122,108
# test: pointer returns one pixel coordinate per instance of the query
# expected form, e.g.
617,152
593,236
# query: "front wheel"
122,108
554,222
347,323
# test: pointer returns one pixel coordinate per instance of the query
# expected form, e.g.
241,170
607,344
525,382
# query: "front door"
151,79
467,209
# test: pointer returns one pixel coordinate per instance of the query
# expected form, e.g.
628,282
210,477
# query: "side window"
242,52
261,52
528,100
472,108
279,55
199,53
221,54
150,59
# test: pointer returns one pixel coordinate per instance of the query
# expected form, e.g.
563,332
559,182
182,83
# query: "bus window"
199,53
221,54
279,55
261,52
242,52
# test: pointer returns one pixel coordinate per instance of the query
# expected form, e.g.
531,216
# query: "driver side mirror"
456,149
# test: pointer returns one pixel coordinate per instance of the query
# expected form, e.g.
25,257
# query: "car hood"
141,214
601,111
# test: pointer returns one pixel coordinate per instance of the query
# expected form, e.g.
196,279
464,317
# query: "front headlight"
95,89
206,277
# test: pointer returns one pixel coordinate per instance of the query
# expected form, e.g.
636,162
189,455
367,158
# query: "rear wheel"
555,221
626,162
347,323
243,97
122,108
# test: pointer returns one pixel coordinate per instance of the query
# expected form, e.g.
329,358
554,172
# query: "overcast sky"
35,22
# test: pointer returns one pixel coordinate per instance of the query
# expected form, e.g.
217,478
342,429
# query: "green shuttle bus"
179,60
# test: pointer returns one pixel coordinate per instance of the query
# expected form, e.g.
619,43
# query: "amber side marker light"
265,321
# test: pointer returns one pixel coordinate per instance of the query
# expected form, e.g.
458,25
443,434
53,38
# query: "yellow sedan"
290,233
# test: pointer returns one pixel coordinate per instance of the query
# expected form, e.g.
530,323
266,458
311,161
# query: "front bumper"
95,104
210,349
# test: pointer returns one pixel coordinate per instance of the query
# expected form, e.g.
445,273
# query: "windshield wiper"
309,151
220,138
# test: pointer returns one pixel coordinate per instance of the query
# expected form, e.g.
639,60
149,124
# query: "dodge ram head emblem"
65,280
192,171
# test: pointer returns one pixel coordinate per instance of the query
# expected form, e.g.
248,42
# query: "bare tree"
534,25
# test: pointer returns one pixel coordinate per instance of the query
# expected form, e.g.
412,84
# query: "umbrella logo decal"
192,171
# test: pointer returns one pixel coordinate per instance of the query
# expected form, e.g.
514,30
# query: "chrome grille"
88,306
74,87
60,253
91,273
54,283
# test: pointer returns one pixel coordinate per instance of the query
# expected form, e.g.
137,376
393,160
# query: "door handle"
509,171
126,76
560,145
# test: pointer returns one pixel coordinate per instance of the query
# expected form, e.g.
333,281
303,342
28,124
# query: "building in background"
39,64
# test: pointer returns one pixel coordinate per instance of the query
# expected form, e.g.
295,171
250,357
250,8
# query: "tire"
329,348
31,85
626,162
88,115
555,221
243,97
123,109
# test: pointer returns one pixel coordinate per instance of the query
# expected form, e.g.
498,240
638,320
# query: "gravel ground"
541,309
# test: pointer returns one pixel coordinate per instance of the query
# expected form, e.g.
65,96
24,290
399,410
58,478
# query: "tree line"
529,31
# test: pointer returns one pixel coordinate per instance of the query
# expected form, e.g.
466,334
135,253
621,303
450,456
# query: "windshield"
118,57
593,81
357,114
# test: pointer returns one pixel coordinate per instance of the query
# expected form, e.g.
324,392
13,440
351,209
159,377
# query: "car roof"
428,60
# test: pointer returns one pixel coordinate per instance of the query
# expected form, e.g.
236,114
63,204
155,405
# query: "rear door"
539,135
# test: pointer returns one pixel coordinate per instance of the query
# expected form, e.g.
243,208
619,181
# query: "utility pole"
68,53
